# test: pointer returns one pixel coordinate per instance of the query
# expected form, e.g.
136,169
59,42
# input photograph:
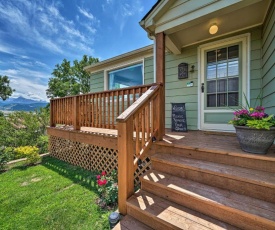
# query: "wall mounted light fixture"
213,29
192,70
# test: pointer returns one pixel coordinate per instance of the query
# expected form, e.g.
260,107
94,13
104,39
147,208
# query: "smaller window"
125,77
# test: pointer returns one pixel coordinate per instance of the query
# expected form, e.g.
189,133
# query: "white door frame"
245,40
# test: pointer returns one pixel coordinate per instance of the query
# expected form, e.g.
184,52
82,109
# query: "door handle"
202,87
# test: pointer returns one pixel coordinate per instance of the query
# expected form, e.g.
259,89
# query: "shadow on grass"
76,174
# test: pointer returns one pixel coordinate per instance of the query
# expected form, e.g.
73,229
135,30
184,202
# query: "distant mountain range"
21,104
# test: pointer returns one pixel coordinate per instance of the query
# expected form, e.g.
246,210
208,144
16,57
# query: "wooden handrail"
98,110
137,127
107,91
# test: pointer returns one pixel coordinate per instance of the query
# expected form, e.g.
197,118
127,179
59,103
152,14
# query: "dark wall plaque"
179,123
182,70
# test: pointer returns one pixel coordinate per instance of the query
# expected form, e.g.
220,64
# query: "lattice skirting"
90,157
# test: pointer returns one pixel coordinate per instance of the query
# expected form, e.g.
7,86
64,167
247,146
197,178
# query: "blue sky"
35,35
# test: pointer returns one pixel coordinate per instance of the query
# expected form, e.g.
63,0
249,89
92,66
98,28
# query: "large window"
222,77
126,77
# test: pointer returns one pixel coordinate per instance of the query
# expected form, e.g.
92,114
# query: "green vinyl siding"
176,90
97,82
268,61
255,65
148,70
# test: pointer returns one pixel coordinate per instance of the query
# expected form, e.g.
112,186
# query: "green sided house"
215,54
207,57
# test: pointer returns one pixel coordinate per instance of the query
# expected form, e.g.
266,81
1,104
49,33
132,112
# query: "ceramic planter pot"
253,140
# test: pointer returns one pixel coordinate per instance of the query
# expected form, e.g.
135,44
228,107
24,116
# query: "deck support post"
160,78
76,105
125,164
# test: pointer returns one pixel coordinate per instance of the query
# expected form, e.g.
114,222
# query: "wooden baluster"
69,109
136,119
84,109
125,164
153,115
134,95
76,113
122,100
103,118
96,110
109,113
57,111
128,98
143,127
117,103
89,110
147,117
63,111
100,110
93,111
113,110
104,110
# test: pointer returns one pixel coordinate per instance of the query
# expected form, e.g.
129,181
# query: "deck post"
76,113
160,78
52,118
125,163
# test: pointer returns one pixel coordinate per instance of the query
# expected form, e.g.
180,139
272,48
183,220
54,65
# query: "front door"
223,78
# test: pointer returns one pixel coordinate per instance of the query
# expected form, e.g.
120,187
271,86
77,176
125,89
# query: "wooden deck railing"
98,110
138,127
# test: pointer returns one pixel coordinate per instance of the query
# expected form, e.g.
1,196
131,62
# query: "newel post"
52,120
76,113
125,163
160,78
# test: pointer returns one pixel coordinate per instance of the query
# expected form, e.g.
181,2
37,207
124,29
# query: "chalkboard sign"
179,117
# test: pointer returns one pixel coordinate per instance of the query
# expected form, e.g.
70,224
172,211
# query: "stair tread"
129,223
174,214
217,196
245,174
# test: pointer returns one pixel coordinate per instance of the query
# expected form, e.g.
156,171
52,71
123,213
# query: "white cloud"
24,81
40,23
86,13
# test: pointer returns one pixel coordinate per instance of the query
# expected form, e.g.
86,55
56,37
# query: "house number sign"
182,71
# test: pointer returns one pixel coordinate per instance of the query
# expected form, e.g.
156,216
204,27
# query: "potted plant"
255,129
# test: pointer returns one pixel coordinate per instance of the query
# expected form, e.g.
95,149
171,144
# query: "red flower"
98,177
103,173
101,182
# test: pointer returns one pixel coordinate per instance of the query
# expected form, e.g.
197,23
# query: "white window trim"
245,40
120,66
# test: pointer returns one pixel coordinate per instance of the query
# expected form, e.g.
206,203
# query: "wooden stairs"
195,189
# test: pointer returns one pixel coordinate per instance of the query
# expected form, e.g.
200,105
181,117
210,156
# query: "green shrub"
4,158
42,144
30,152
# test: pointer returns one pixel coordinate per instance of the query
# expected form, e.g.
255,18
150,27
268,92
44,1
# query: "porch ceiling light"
213,29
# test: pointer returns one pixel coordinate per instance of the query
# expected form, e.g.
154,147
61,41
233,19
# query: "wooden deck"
208,141
226,143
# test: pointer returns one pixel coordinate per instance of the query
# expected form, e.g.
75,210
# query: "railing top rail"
106,91
138,103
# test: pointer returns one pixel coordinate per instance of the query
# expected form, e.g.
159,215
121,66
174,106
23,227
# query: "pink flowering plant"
108,188
253,118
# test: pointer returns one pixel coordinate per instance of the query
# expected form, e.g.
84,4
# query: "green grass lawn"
52,195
